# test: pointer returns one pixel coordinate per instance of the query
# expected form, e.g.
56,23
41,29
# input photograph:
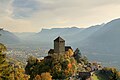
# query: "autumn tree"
19,74
69,53
43,76
60,66
2,48
37,77
118,75
46,76
8,70
5,68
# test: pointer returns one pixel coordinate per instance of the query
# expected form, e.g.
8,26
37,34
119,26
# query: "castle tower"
59,45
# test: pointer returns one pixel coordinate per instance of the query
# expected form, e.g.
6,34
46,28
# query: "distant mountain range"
100,41
105,39
7,37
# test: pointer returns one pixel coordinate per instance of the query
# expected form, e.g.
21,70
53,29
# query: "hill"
47,35
104,43
8,37
99,42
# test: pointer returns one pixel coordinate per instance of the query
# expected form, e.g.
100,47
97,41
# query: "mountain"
24,36
99,42
45,36
107,36
85,33
103,44
50,34
8,37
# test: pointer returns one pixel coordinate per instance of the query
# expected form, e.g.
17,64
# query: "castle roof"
84,74
51,51
59,39
67,48
47,57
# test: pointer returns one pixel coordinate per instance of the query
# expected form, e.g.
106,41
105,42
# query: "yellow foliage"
43,76
118,74
46,76
19,74
69,53
38,77
2,48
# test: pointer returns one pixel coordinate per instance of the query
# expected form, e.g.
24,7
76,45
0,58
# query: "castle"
59,47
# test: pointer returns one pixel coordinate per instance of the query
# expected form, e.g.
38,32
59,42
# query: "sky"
33,15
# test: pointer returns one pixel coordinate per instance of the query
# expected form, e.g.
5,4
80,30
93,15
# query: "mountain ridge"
8,37
98,42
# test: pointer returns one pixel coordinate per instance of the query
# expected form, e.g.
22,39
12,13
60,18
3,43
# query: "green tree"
111,73
85,60
77,55
29,69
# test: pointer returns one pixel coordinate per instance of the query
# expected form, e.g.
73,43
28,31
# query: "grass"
98,76
95,77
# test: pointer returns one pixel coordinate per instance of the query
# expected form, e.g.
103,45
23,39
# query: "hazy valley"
100,43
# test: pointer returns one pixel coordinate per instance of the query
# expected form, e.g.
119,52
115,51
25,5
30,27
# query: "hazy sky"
32,15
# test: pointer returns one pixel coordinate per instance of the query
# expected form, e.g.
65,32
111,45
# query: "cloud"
36,14
24,8
81,13
5,7
16,25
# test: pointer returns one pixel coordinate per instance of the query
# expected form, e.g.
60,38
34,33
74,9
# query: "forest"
71,65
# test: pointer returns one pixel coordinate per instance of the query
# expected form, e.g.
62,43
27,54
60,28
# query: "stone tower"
59,45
